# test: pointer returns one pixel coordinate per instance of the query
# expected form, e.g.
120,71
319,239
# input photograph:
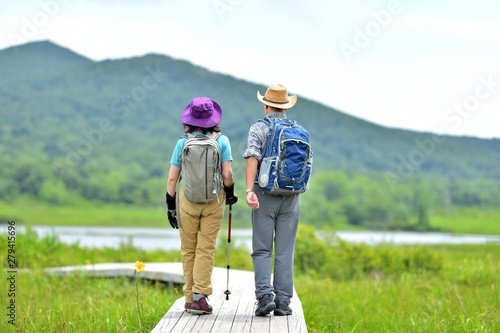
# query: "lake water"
168,239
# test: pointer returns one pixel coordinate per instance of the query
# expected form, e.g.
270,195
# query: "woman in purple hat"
199,220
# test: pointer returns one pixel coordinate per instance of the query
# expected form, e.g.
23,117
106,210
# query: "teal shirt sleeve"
176,159
225,148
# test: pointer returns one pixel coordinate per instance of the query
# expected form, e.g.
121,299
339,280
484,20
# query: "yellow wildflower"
139,266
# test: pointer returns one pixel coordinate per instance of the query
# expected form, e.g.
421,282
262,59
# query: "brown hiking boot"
201,307
187,307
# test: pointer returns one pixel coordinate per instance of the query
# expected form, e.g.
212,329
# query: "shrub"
343,260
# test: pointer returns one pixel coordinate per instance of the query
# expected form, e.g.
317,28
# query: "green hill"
105,130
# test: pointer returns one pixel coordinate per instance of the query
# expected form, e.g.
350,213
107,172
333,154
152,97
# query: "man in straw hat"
274,218
201,222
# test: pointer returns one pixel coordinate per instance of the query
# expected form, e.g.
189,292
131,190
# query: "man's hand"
252,200
171,210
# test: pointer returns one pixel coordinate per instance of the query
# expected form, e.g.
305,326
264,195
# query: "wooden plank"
296,322
244,311
238,310
172,318
165,272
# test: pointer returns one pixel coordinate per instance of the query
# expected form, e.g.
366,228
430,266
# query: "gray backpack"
201,176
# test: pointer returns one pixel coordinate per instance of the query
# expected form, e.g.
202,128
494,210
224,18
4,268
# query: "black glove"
231,197
171,211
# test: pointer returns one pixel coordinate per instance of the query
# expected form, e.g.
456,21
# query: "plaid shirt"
257,135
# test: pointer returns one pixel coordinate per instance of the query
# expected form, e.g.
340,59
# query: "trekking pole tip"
227,293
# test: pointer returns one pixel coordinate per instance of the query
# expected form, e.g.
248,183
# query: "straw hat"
277,96
202,112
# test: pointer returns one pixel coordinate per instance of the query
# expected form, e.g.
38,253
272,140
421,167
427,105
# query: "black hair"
191,129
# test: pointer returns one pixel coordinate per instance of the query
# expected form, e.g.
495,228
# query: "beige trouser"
200,225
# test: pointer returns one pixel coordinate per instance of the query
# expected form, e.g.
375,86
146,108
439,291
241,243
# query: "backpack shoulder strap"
270,122
214,135
265,120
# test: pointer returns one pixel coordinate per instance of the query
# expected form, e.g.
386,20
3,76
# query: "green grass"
461,296
411,303
470,220
78,303
29,212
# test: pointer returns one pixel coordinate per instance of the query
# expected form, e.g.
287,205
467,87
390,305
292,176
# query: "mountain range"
66,111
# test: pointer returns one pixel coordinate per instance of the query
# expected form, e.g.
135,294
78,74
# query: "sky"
429,65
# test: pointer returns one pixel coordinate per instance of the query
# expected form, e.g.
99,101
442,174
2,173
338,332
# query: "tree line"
360,199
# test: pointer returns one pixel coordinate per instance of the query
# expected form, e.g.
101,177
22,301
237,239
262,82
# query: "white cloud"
459,27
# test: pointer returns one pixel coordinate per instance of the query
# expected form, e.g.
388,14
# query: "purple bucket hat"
202,112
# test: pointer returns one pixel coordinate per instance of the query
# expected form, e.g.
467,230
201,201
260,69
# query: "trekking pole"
227,292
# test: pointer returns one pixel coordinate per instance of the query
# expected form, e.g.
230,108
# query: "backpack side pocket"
265,170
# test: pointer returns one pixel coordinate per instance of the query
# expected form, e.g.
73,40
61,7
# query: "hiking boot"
282,308
265,305
201,307
187,307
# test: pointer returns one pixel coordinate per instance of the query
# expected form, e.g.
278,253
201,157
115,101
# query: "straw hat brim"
291,102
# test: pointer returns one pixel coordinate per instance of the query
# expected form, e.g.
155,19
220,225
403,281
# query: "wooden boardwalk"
233,315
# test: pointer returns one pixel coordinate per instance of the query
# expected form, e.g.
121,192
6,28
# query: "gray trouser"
276,220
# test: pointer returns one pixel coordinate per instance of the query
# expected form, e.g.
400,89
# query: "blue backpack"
287,163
